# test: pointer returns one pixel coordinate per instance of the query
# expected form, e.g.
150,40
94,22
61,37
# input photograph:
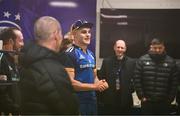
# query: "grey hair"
45,26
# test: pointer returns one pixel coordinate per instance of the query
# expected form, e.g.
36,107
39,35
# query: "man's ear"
125,49
11,42
150,47
114,47
55,35
9,45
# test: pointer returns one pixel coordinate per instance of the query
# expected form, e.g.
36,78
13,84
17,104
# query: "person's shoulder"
144,57
89,51
70,49
170,59
130,59
109,58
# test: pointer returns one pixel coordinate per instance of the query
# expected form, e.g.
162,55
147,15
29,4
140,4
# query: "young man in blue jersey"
82,72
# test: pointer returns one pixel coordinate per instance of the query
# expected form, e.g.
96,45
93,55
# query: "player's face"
83,36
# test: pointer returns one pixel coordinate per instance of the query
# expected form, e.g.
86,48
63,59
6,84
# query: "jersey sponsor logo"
87,66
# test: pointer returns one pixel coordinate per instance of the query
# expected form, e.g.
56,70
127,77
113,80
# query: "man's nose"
157,50
88,34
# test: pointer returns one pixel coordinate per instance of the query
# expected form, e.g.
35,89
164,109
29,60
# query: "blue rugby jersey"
83,63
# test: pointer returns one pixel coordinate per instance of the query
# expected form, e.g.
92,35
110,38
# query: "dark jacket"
108,71
45,85
156,81
9,91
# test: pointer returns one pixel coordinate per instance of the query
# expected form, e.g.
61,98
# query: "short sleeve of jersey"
70,55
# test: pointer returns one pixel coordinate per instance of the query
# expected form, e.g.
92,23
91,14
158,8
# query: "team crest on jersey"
81,57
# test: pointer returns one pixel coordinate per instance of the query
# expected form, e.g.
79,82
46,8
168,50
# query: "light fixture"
68,4
114,16
122,23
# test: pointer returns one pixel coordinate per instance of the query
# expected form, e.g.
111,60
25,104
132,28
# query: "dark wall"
138,28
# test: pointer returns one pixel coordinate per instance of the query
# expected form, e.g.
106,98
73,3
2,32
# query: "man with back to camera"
118,71
45,86
83,73
12,39
155,79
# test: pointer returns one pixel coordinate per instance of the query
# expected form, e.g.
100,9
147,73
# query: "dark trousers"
155,108
116,110
88,109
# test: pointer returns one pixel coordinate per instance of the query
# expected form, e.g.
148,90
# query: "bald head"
122,42
45,26
48,33
120,48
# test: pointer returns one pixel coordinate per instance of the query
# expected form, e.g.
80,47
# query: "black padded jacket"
156,81
45,85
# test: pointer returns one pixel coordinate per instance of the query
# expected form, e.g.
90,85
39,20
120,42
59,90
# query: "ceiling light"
63,4
114,16
122,23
